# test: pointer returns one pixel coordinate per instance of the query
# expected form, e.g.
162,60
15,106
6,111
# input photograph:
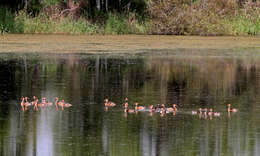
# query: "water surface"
86,128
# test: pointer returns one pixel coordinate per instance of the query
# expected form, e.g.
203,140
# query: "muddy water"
121,44
191,78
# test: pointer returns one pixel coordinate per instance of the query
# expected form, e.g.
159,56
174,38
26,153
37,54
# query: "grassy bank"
44,24
198,17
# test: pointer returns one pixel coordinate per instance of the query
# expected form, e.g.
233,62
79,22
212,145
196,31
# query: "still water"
86,128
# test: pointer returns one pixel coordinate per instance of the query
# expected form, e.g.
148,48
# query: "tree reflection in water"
87,129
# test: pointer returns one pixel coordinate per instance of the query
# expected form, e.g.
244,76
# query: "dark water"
87,129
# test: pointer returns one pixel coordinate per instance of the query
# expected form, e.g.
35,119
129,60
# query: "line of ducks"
44,103
160,108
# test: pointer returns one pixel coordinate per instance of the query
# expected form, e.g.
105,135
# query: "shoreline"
52,43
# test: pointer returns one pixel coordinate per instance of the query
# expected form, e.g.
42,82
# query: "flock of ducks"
43,104
160,108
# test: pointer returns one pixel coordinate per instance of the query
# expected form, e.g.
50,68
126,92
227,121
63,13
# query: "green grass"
242,25
44,24
182,22
114,24
120,24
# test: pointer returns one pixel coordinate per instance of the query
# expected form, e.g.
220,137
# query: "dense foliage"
204,17
179,17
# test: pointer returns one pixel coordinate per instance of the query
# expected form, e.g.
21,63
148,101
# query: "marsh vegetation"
186,17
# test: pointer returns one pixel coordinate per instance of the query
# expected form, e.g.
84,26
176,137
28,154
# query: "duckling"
152,108
216,114
162,110
231,109
171,109
26,103
109,103
35,103
66,104
129,110
63,104
126,105
158,108
199,111
138,107
210,113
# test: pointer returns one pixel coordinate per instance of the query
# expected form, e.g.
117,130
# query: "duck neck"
229,109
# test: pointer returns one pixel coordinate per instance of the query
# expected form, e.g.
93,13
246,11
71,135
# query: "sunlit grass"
244,26
121,24
114,24
44,24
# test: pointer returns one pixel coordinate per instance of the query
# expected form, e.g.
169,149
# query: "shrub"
204,17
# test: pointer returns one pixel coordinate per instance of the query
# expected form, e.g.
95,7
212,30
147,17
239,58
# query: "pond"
87,128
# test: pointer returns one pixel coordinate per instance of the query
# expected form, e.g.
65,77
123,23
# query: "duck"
26,103
138,107
231,109
35,103
172,109
129,111
210,113
65,104
152,108
199,111
126,105
59,103
216,113
109,103
162,109
158,108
